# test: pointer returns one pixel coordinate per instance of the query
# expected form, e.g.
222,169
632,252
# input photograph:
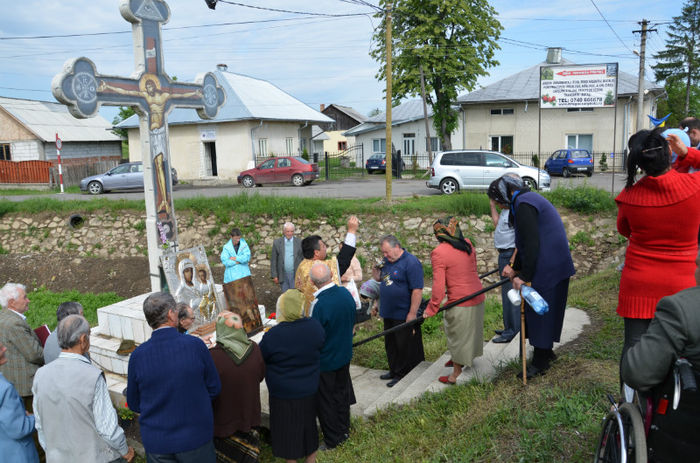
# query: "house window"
434,144
502,111
290,146
409,144
502,143
580,141
5,154
342,145
577,110
262,147
379,145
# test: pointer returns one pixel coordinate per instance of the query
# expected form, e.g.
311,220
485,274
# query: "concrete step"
116,385
103,353
368,388
391,393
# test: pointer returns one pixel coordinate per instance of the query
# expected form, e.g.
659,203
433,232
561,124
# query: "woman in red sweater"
660,216
454,272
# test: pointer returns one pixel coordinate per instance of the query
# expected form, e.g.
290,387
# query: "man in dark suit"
286,257
334,308
24,352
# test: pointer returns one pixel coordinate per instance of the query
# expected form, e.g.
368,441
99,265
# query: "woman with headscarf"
660,215
237,409
292,354
454,273
543,261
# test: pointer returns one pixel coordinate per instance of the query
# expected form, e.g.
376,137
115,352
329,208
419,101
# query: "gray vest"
64,392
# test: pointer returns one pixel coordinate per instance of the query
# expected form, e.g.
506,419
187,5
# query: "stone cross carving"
153,95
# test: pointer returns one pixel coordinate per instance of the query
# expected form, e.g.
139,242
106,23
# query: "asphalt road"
367,187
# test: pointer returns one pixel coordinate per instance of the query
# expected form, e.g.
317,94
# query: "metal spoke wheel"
297,180
95,188
622,439
248,181
530,182
449,186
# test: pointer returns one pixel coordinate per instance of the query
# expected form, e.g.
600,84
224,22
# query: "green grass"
584,199
27,191
43,305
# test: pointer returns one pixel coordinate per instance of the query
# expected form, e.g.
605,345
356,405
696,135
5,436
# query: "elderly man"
24,352
334,308
314,250
74,414
286,257
172,381
401,292
16,426
51,347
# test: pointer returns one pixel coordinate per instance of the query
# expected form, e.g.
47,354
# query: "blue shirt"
398,280
289,255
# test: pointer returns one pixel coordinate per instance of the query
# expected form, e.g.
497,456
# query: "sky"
317,59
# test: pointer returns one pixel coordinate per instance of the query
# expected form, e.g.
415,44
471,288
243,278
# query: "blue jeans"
511,312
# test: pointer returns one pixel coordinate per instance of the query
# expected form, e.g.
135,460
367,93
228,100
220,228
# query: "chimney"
323,106
554,55
222,67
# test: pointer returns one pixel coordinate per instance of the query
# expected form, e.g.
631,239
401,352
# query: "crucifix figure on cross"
153,95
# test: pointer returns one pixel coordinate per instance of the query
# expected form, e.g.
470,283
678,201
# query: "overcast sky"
316,59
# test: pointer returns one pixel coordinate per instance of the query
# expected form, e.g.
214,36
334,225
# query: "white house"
257,120
504,116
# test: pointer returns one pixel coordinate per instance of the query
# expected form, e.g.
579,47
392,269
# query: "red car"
294,169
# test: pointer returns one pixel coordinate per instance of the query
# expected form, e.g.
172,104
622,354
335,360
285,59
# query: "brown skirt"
240,296
464,329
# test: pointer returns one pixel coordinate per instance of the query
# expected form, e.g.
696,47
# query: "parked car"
456,170
570,161
127,176
284,169
377,163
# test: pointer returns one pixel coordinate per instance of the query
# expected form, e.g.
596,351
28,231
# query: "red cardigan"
454,272
660,216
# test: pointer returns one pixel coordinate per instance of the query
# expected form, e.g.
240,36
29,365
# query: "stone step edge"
393,392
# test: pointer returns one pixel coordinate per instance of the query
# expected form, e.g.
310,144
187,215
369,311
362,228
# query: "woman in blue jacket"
238,284
235,257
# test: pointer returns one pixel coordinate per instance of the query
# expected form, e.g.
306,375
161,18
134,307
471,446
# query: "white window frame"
262,147
500,143
289,142
380,142
577,142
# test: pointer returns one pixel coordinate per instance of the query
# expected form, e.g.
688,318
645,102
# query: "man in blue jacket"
172,380
334,308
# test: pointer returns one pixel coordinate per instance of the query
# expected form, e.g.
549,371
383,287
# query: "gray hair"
182,311
10,291
320,274
68,308
288,225
156,308
71,329
391,240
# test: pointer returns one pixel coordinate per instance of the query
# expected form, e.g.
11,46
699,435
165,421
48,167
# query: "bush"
305,154
603,163
535,160
583,199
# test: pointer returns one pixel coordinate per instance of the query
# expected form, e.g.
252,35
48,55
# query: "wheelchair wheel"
622,439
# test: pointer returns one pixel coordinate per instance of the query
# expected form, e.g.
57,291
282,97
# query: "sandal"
449,363
446,380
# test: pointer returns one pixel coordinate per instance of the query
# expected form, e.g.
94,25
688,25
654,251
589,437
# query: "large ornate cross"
153,95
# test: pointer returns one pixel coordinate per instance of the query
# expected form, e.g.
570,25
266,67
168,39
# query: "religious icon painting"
190,281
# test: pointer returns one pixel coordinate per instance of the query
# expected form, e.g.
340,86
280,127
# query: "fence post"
325,157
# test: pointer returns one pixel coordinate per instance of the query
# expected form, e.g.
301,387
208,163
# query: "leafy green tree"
674,103
454,42
124,113
680,60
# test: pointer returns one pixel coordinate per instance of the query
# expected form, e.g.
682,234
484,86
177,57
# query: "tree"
679,62
124,113
453,40
674,103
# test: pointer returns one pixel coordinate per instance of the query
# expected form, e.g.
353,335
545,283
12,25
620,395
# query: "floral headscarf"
448,230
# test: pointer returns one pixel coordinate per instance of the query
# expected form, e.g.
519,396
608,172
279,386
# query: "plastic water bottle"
533,298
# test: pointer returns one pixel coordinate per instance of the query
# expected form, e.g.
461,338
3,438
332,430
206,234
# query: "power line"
278,10
611,28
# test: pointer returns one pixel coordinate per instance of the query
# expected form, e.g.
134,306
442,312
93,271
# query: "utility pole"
425,116
388,152
640,86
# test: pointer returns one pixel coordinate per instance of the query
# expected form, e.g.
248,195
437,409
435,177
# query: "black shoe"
498,332
386,376
533,371
323,447
393,382
501,340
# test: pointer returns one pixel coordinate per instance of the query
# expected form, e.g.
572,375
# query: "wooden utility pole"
640,85
425,116
388,152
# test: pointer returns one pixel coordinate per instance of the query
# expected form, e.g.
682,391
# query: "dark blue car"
570,161
377,163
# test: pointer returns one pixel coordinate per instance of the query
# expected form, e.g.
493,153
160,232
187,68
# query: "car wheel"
589,173
449,186
95,188
297,180
531,183
248,181
565,172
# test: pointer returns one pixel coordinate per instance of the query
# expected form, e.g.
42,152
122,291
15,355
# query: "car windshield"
302,160
580,154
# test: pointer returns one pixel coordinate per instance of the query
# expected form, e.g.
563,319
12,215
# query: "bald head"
320,274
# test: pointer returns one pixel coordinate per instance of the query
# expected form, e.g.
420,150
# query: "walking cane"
523,353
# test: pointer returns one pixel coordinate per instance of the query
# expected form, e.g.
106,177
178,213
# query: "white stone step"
125,320
103,353
368,388
391,393
116,385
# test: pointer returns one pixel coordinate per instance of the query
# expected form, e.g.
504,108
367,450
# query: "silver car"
456,170
127,176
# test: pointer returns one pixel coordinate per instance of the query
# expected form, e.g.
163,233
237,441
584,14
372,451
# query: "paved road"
367,187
